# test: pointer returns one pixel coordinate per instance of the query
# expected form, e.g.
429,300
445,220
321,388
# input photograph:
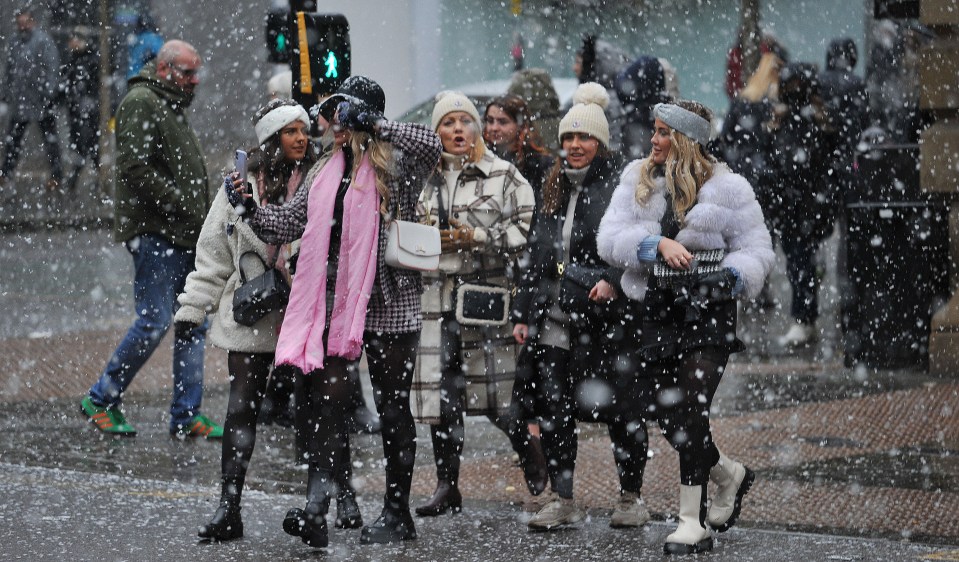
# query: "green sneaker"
107,420
202,426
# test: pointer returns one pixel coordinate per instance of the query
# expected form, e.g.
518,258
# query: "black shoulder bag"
257,297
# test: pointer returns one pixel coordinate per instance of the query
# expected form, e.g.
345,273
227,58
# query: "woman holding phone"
276,170
346,301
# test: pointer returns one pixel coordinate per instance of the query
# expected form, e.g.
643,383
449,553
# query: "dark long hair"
268,157
527,139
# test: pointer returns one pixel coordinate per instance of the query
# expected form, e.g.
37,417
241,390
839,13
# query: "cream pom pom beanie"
587,114
449,101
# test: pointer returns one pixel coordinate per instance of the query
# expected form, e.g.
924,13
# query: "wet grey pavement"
852,463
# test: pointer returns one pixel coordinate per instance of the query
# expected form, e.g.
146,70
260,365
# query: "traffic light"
319,53
278,36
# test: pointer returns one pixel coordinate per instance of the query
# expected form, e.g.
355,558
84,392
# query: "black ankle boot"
446,497
394,524
309,523
226,524
347,511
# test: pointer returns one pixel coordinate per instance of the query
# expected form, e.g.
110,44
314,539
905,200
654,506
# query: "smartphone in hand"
239,164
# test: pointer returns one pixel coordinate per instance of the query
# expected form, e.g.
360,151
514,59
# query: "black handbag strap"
442,213
251,252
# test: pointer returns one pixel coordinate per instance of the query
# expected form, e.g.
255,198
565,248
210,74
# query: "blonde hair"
765,81
381,158
479,146
688,166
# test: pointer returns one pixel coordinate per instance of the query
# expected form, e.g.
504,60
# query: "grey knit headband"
684,121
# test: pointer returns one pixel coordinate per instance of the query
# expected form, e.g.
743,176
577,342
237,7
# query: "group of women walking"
612,301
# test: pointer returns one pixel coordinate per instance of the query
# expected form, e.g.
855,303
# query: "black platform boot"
226,524
394,524
309,523
347,510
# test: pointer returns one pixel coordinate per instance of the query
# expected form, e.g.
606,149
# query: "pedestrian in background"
641,85
846,105
508,133
598,60
685,211
570,347
80,92
31,82
745,139
483,206
807,198
535,87
143,45
162,198
345,299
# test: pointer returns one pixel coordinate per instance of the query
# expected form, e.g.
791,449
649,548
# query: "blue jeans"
160,271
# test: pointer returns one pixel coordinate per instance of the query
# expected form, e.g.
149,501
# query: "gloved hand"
704,289
232,195
715,286
183,330
457,237
236,199
355,117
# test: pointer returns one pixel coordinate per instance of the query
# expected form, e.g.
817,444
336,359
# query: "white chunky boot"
691,536
732,481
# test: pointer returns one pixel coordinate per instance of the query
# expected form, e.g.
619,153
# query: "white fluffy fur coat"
726,216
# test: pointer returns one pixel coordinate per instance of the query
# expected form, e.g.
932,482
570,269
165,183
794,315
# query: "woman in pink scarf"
278,166
346,300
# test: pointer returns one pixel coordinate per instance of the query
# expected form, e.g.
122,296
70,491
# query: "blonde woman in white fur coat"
670,208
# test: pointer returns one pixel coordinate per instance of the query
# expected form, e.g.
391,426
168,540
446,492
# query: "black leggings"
248,376
326,394
677,393
555,402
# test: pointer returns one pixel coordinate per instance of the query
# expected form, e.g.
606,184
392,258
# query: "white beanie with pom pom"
587,114
449,101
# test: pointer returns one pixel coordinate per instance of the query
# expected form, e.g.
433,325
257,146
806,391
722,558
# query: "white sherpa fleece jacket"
726,216
209,288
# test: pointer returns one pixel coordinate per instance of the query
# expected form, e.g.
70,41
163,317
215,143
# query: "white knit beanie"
449,101
587,114
279,118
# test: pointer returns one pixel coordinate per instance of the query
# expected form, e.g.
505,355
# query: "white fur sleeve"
747,239
626,223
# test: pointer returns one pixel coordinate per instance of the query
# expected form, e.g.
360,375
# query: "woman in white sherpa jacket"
671,208
278,169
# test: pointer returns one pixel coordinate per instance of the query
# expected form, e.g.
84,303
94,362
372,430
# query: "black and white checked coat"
395,304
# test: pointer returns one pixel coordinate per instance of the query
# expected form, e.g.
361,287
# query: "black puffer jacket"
596,342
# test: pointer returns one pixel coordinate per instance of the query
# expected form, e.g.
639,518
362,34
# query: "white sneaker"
799,334
630,511
558,512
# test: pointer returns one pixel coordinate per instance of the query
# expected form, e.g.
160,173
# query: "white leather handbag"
411,245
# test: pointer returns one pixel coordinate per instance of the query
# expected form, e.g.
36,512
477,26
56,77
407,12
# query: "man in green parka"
162,198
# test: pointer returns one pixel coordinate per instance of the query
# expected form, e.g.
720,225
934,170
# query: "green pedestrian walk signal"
331,66
278,36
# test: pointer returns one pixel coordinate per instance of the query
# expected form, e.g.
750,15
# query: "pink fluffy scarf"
301,336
